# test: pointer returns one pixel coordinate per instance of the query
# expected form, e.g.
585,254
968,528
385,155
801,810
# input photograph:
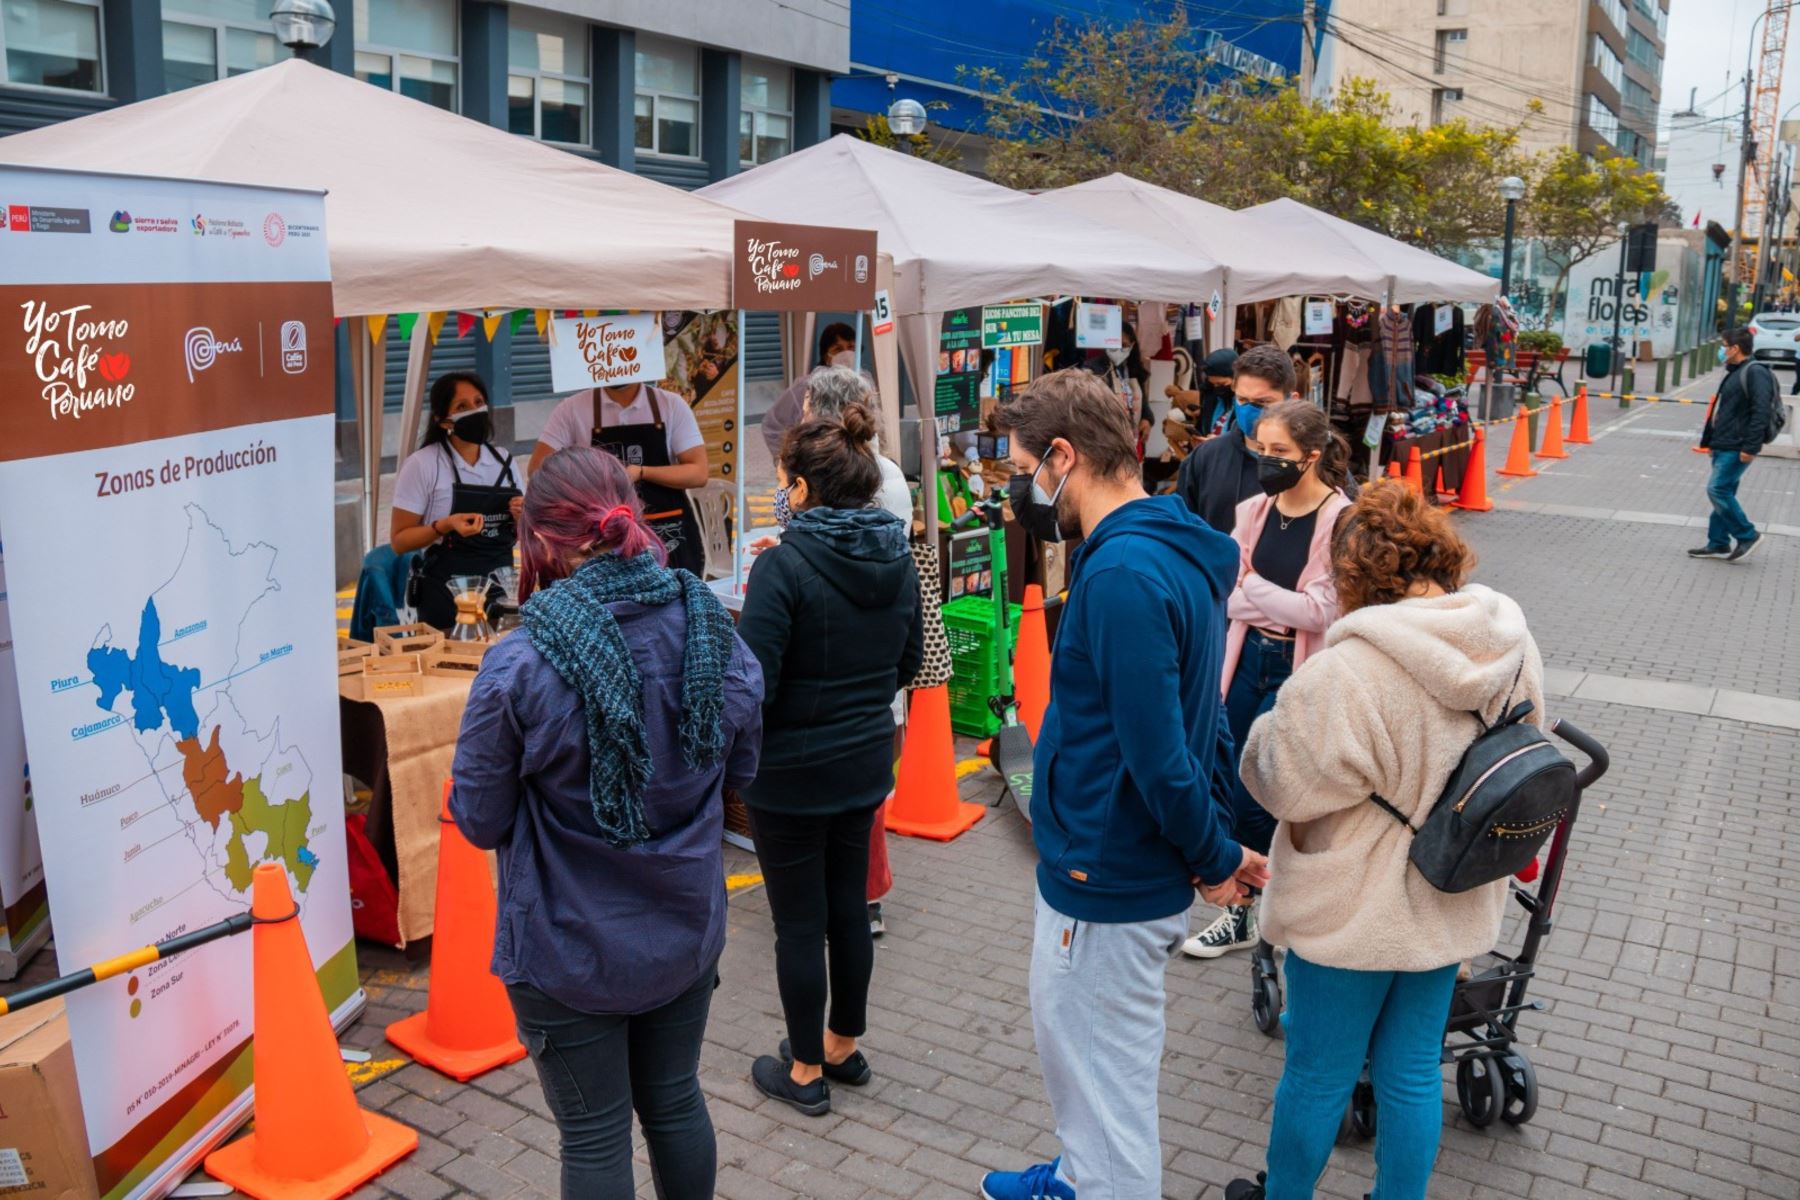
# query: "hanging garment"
1396,358
1284,322
1353,375
1358,322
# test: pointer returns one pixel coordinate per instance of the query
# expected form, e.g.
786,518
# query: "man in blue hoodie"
1130,806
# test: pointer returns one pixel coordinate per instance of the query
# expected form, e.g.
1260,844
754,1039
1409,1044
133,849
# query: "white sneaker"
1234,930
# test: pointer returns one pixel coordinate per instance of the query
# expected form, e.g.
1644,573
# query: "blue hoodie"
1131,792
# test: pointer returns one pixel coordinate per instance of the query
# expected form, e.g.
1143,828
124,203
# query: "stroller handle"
1572,734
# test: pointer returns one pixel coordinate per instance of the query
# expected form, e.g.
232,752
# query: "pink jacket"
1309,611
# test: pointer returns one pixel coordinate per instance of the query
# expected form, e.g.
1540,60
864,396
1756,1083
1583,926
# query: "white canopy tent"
958,241
1414,276
427,211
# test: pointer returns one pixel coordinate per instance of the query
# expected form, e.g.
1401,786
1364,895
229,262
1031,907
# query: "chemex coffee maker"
470,592
504,606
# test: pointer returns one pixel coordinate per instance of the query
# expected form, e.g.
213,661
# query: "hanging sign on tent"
170,590
1097,327
1441,319
587,352
1005,325
778,267
701,350
958,391
1319,316
883,313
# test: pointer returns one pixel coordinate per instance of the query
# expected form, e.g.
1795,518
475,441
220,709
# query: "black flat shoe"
771,1077
853,1071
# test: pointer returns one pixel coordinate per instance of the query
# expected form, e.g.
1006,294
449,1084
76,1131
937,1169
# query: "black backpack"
1509,792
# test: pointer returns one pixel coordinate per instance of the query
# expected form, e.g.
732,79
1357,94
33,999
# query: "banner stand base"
13,961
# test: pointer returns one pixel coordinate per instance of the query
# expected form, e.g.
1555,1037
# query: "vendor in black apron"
642,427
456,499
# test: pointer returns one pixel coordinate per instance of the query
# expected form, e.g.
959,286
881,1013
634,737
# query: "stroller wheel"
1362,1108
1480,1090
1521,1089
1265,990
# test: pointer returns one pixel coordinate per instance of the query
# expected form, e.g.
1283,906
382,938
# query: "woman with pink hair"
593,756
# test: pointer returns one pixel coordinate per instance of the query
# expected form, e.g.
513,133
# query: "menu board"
958,399
971,564
701,352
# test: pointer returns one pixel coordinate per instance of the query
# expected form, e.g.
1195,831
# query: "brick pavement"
1669,1056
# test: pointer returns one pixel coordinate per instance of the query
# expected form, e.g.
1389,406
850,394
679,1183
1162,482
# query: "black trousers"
596,1069
816,872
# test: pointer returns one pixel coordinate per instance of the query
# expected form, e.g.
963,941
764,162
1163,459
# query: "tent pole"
737,469
418,364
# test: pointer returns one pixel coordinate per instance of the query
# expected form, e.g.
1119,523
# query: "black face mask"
475,427
1036,516
1277,475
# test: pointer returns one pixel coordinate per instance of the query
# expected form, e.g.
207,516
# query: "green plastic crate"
969,624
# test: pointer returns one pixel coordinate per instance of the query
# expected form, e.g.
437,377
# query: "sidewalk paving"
1668,1056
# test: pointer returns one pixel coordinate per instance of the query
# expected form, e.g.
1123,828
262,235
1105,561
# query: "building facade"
1595,66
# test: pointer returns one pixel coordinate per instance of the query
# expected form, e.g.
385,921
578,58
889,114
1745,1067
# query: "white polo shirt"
571,423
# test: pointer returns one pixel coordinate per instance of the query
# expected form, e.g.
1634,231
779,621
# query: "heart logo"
114,367
791,270
628,353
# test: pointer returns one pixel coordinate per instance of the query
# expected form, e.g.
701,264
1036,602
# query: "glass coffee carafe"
506,605
470,592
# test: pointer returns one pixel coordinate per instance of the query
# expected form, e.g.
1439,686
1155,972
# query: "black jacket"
1745,409
833,617
1218,476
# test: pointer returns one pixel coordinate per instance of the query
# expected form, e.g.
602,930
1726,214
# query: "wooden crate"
350,655
406,639
387,676
454,660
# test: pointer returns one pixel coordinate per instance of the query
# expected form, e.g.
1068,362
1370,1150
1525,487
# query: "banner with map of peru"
166,506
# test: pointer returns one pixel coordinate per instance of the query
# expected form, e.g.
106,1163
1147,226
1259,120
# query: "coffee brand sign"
79,357
803,268
606,351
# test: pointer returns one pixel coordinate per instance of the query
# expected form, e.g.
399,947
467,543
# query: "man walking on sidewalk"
1130,804
1742,420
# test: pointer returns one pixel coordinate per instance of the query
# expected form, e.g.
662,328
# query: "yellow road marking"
737,883
969,766
375,1068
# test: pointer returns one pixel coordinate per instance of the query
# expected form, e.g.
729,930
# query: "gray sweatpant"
1097,1007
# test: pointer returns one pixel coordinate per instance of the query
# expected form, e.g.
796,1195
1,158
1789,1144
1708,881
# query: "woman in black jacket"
832,613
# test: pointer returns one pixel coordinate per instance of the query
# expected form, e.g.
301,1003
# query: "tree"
920,145
1576,204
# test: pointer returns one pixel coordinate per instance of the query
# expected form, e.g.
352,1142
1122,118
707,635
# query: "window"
1615,12
547,81
1602,119
51,43
1642,51
408,46
1453,8
1452,49
1443,104
1662,25
200,35
668,97
765,128
1638,101
1612,67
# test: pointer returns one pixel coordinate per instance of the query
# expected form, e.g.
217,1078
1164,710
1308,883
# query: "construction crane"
1762,107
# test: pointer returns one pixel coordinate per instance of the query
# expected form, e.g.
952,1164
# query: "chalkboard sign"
971,564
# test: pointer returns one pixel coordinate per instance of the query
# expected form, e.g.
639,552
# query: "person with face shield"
457,498
1221,474
1283,603
1131,784
837,348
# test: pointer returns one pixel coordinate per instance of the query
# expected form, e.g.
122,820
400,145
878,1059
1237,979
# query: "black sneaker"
1234,930
1244,1189
1745,549
877,926
771,1077
853,1070
1710,552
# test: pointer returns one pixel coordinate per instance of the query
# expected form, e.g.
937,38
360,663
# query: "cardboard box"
43,1138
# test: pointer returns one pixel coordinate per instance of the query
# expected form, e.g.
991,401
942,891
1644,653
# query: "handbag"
935,669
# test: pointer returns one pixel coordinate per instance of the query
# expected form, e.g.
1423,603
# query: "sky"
1708,41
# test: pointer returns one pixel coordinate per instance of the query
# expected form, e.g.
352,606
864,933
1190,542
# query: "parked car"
1777,338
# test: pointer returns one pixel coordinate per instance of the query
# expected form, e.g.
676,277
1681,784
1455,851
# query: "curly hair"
1389,541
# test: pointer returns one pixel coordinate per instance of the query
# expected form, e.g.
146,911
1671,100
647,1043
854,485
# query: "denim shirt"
600,929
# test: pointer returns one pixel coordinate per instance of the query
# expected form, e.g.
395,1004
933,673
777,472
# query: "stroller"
1494,1079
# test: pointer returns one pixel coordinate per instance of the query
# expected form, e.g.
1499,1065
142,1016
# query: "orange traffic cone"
1393,468
1474,497
1553,434
1578,420
1415,473
467,1027
1031,662
1518,455
925,802
1710,404
311,1140
1445,493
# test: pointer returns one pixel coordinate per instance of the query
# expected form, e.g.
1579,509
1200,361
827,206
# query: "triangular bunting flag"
590,312
518,319
405,322
490,325
434,324
540,317
377,323
464,323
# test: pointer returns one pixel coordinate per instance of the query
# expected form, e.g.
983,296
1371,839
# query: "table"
402,747
1400,450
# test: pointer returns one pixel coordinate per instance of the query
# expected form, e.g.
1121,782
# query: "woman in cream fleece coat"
1373,948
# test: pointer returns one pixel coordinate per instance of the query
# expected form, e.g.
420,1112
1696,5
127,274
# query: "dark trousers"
596,1069
1261,670
816,871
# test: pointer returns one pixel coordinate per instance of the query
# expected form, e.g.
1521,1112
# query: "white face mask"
1118,357
844,358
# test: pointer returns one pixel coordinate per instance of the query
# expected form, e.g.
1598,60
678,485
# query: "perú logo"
201,349
79,370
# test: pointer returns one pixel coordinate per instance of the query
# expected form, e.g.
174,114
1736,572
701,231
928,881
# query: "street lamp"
1618,341
906,118
303,24
1512,190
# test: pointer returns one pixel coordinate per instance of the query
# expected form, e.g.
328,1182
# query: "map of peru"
184,685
